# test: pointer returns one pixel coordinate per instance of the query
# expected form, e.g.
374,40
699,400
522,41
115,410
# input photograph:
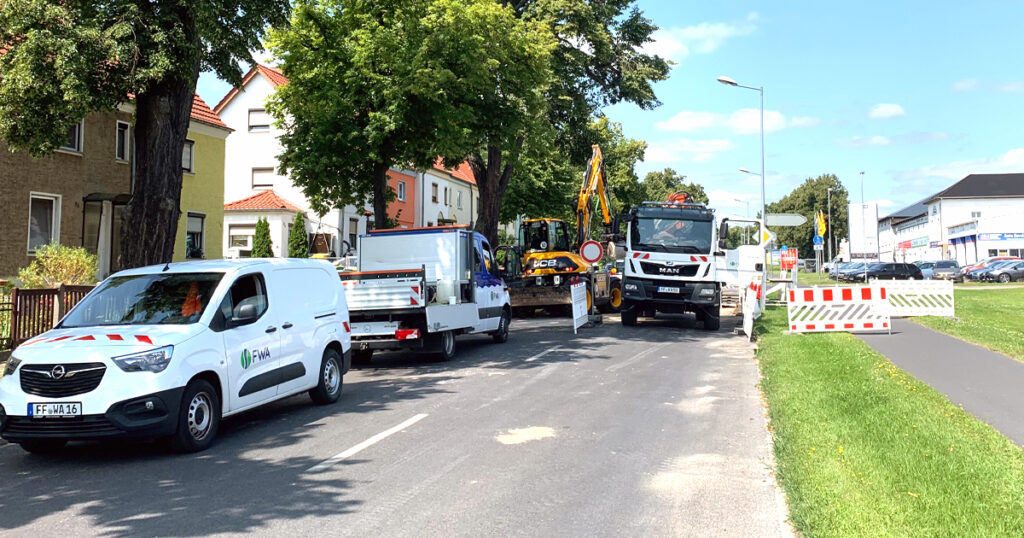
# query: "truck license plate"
55,410
666,289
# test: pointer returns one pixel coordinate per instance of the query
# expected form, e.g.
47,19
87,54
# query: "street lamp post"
830,225
863,227
764,214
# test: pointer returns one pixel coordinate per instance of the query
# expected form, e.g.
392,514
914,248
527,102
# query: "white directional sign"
785,219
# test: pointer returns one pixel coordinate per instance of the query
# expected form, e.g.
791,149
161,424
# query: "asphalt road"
656,430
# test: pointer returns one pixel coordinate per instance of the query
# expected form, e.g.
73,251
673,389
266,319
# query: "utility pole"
863,228
829,224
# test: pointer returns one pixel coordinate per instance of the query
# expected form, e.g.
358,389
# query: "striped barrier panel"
838,309
920,298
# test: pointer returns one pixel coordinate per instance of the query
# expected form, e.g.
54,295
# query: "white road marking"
365,444
635,358
542,353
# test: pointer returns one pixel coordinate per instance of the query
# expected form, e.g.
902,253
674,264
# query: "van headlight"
12,365
154,360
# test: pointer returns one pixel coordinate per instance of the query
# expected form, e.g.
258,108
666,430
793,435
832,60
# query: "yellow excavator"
541,266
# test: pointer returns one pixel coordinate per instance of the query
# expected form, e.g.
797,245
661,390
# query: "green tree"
68,59
298,241
658,185
262,247
400,83
807,199
597,61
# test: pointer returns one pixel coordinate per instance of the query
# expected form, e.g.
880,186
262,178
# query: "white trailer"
419,288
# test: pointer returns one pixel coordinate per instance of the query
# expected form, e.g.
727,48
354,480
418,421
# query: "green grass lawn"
991,318
864,449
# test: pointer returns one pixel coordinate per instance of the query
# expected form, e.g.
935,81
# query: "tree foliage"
400,83
67,59
298,241
262,247
807,199
57,264
658,185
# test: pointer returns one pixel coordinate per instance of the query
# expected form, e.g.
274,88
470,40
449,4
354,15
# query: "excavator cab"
543,235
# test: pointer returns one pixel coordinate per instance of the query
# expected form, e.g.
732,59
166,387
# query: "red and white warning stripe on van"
831,309
140,338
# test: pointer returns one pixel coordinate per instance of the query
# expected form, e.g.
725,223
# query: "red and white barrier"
835,309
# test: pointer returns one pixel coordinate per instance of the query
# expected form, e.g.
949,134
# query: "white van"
167,350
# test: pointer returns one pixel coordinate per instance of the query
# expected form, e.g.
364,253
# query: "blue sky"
915,94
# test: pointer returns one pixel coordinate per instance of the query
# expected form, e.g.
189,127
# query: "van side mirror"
246,314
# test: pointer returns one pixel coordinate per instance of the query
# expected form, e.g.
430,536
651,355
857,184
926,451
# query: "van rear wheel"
328,387
444,345
198,418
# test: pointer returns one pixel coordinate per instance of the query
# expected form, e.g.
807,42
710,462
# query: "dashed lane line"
635,357
542,353
327,464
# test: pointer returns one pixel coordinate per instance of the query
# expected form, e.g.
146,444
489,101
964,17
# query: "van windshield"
158,299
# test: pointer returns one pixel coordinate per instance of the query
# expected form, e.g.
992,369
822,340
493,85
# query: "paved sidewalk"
987,384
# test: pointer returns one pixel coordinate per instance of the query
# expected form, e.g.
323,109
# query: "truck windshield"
160,299
671,235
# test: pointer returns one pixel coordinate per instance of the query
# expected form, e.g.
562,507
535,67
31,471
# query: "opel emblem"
57,372
670,263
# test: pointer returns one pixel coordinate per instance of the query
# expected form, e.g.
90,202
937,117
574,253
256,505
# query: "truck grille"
674,270
47,380
86,427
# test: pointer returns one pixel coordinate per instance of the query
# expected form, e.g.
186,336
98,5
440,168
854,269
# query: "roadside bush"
57,264
262,247
298,241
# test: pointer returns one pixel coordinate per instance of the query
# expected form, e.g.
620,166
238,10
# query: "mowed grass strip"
863,449
987,317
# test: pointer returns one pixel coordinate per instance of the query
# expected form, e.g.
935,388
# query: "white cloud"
743,121
1010,87
886,111
1011,161
722,198
864,141
685,149
704,38
688,120
965,85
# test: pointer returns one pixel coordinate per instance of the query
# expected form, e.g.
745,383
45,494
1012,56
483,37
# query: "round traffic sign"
591,251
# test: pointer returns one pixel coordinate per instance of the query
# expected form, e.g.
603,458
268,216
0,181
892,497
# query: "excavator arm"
593,185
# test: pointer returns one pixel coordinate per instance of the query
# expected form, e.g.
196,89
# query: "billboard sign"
863,231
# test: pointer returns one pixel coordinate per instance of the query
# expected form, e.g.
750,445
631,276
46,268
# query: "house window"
195,233
433,192
353,232
401,191
975,214
993,252
73,138
259,121
43,220
262,178
240,237
121,145
458,199
447,199
188,161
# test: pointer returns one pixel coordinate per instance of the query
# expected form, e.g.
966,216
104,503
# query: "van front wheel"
328,387
198,418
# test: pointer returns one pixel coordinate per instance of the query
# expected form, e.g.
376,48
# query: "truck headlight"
629,286
154,360
12,365
707,292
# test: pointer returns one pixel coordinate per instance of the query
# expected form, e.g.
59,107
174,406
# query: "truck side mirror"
723,233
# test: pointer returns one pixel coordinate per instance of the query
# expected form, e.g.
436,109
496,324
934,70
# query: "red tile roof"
201,112
266,200
462,171
272,74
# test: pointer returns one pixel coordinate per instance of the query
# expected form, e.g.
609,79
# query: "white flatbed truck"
419,288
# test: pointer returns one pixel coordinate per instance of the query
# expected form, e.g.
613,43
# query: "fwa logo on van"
250,356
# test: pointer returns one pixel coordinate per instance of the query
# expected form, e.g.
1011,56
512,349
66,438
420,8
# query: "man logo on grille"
57,372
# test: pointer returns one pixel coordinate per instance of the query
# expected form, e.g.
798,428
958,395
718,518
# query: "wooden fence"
32,312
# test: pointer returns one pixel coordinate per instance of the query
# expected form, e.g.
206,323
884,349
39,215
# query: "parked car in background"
854,267
946,270
985,262
1006,272
888,271
926,268
981,274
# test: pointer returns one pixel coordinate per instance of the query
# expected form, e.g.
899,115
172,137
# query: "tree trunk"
150,222
380,195
491,179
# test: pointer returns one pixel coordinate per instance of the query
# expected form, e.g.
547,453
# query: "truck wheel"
445,344
628,317
198,418
43,446
712,319
614,303
328,388
501,335
362,356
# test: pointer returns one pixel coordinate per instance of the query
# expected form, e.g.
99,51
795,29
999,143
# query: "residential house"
77,195
251,168
403,208
448,196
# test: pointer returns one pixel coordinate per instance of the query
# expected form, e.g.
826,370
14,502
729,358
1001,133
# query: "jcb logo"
547,263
